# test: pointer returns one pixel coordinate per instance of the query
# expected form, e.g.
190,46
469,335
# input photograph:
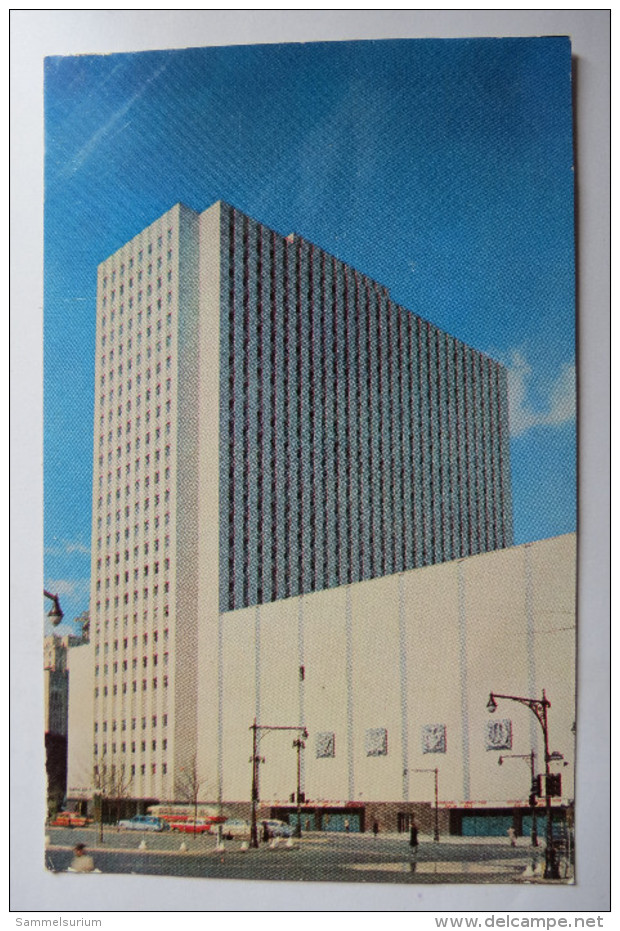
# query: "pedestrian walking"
346,825
82,862
512,834
375,828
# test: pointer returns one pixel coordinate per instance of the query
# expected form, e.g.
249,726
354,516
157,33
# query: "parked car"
173,819
70,819
235,827
277,828
200,826
143,823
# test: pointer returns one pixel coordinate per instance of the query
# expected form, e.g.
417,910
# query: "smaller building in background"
56,697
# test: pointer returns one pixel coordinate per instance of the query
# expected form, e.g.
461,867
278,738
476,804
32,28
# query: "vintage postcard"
310,462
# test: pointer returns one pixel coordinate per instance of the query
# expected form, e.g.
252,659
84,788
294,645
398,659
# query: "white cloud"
559,396
61,631
67,547
77,548
68,588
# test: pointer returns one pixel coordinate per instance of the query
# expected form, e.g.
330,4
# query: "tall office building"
268,423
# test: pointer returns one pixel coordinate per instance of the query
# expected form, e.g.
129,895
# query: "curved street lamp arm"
537,705
56,613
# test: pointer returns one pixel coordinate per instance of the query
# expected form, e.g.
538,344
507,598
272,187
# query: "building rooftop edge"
291,237
392,575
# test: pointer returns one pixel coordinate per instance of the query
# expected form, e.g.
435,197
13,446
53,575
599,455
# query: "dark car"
276,828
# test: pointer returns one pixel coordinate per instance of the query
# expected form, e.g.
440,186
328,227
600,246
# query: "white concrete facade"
411,658
80,720
413,655
171,679
145,513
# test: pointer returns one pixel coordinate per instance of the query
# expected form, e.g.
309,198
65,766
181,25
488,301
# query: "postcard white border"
35,34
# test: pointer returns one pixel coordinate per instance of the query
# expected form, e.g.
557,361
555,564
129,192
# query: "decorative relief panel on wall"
434,738
499,734
325,745
376,741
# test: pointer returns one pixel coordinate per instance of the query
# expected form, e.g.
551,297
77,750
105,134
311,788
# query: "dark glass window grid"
370,441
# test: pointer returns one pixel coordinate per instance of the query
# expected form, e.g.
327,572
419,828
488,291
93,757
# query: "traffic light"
552,787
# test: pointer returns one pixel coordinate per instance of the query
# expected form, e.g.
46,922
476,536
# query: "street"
317,857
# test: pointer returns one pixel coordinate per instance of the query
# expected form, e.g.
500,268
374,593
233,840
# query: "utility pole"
299,744
256,760
538,707
532,796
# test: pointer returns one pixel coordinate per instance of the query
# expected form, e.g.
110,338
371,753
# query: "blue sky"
442,168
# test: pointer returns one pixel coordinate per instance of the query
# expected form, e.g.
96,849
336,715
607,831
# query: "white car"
276,828
143,823
236,827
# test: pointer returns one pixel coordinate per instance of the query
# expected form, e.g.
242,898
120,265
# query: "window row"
129,492
134,723
124,644
111,375
116,580
136,553
136,529
143,505
118,336
139,275
153,769
137,425
109,359
128,406
125,599
127,326
111,275
126,534
133,745
106,690
123,666
130,309
138,465
110,396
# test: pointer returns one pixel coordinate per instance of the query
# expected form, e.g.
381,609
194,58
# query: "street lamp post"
436,773
539,707
256,760
531,757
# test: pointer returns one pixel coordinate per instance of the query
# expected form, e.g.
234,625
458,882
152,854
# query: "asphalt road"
316,858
